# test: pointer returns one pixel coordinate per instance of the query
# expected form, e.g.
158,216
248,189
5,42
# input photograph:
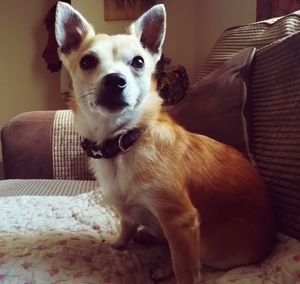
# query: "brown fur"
201,189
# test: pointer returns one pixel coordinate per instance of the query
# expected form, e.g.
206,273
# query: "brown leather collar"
112,146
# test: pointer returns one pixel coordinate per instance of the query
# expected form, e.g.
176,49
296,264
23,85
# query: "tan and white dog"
204,197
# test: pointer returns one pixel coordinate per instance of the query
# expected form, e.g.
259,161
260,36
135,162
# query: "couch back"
43,145
273,107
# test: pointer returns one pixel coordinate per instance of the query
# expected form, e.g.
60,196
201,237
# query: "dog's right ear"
71,28
150,28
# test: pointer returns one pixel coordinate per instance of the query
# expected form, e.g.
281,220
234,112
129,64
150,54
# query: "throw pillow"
215,106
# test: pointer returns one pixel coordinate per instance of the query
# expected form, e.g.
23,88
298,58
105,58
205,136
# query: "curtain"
275,8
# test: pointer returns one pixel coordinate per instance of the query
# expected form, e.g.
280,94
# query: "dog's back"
236,221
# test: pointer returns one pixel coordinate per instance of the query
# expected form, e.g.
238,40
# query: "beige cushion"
69,160
45,187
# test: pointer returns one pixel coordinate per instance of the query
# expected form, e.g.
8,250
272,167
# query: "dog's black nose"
114,81
111,92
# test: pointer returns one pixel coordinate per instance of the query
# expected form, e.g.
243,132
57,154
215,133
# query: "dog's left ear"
71,28
150,28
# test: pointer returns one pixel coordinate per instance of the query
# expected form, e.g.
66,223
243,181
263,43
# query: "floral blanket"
64,239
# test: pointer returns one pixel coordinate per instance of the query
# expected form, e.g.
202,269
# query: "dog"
202,196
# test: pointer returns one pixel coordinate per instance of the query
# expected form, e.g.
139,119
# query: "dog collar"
112,146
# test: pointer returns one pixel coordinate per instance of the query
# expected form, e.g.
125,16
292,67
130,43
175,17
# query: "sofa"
54,225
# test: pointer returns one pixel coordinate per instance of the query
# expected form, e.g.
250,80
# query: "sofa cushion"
68,241
216,104
275,104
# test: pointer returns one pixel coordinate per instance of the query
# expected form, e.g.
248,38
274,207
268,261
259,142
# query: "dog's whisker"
85,89
85,95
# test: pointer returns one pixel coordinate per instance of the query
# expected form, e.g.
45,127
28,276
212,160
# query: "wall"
213,17
25,82
180,39
192,25
180,43
93,11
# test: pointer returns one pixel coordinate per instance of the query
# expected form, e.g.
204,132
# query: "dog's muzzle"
111,92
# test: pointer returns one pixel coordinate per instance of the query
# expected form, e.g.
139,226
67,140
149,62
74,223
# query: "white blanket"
60,239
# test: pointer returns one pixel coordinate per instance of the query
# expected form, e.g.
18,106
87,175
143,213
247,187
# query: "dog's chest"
115,178
119,191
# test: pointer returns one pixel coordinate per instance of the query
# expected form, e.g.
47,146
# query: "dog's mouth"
111,101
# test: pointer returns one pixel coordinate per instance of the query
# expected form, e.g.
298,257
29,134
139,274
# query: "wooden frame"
125,9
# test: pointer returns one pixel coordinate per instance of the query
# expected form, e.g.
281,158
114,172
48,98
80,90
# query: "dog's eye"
88,62
137,62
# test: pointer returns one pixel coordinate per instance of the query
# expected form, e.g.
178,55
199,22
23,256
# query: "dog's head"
111,74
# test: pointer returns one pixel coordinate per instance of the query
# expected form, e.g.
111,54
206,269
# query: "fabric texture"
43,187
275,96
26,145
216,105
69,159
68,241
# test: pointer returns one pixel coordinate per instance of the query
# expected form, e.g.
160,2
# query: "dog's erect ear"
150,28
71,28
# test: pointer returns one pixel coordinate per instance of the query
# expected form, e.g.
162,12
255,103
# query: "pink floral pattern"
66,240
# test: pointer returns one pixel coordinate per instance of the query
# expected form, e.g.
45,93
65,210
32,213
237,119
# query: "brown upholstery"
27,146
275,94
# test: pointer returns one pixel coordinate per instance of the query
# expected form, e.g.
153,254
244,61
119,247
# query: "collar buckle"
122,148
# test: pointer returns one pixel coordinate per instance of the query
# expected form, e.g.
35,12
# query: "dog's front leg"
128,230
180,223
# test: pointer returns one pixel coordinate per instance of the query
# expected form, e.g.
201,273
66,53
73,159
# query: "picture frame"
125,9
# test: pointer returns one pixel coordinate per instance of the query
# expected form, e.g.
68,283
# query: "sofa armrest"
43,145
26,145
